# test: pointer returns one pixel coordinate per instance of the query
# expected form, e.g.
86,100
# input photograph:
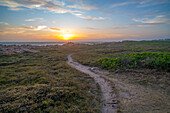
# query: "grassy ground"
88,54
43,82
143,65
124,51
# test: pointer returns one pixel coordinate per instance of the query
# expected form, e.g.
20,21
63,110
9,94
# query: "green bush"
136,60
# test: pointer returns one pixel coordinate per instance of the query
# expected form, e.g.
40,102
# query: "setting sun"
67,36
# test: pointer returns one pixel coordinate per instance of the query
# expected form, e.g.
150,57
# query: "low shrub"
136,60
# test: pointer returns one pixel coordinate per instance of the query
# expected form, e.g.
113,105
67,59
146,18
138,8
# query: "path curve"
109,98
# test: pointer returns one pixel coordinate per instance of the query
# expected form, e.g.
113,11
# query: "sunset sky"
83,20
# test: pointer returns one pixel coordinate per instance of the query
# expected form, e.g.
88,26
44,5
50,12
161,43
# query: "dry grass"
43,82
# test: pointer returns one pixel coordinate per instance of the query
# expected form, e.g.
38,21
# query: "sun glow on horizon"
67,36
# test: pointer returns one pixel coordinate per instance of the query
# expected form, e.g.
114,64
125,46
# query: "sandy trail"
109,98
136,98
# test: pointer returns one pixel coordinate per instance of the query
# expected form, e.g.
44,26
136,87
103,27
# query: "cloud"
84,7
157,20
15,9
146,3
30,20
54,6
37,28
26,28
123,4
49,5
93,18
90,18
132,25
40,28
30,29
77,14
22,29
55,29
147,25
4,23
12,32
141,3
89,28
59,30
34,19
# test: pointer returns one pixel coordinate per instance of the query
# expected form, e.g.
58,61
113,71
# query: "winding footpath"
109,98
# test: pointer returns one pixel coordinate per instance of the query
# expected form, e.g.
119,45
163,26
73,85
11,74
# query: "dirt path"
132,97
136,98
109,98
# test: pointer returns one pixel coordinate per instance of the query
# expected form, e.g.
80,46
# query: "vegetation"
142,62
43,82
155,42
136,60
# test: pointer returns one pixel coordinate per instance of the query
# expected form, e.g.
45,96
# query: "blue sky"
47,20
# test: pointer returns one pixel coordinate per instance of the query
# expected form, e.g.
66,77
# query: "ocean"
45,43
33,43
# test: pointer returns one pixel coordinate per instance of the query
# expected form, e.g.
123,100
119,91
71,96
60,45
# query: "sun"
67,36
